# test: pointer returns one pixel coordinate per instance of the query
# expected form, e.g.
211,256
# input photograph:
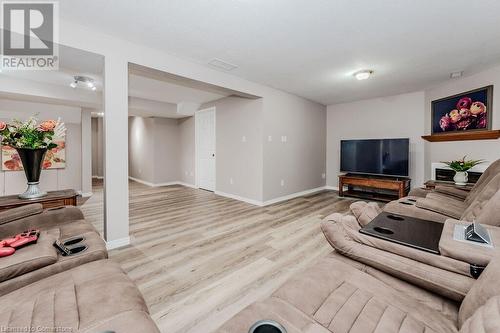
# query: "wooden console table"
383,188
53,199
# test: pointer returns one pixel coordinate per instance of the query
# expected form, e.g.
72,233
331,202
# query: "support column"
86,152
116,224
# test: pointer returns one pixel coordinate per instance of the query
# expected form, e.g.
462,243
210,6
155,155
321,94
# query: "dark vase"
32,160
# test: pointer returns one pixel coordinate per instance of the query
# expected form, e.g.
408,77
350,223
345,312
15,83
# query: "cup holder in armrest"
406,203
73,240
395,217
383,230
267,326
77,249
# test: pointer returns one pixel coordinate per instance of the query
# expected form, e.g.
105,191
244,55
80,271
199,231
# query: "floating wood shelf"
462,136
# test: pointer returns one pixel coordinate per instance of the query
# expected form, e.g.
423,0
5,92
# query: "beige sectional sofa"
40,289
369,285
437,208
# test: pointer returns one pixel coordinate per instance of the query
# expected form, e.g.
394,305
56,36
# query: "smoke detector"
220,64
456,75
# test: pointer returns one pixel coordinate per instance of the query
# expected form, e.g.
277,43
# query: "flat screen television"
375,156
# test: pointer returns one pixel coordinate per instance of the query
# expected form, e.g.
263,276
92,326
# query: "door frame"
196,152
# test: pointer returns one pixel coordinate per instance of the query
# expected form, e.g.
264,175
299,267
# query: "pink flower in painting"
482,121
445,123
465,113
3,125
455,116
47,126
464,124
477,108
464,103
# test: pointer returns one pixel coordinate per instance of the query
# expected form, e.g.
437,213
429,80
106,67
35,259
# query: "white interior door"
205,147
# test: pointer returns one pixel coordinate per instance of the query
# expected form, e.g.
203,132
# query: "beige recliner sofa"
340,295
41,290
435,208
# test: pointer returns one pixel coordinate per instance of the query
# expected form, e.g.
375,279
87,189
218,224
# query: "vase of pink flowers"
461,167
31,139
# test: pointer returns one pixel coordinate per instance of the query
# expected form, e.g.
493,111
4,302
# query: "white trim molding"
331,188
86,194
239,198
293,195
140,181
117,243
272,201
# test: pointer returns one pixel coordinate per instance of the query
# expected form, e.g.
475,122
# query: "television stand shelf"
380,188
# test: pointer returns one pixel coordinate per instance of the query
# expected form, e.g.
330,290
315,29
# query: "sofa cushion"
486,287
96,250
445,276
407,208
481,201
365,212
31,257
488,174
452,191
20,212
486,319
81,299
344,299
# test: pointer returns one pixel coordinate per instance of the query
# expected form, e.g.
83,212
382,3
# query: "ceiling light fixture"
89,82
456,75
363,74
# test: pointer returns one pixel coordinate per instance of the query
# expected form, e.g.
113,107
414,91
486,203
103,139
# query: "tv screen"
375,156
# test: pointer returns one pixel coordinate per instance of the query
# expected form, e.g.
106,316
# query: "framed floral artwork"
54,158
468,111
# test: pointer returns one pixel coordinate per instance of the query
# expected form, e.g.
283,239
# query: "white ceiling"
311,48
162,91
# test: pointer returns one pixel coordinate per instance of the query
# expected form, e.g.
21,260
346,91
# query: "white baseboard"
271,201
98,177
239,198
293,195
331,188
117,243
86,194
160,184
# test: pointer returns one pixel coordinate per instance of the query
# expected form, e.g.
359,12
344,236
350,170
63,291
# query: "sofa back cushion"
485,288
488,174
20,212
475,209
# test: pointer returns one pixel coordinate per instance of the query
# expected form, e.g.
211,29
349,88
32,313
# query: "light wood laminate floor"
199,258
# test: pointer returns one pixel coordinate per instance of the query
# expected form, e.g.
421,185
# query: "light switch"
282,182
231,181
243,139
323,175
270,138
283,138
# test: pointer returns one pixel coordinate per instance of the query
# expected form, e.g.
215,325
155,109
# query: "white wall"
481,149
97,148
14,182
300,161
400,116
187,150
140,147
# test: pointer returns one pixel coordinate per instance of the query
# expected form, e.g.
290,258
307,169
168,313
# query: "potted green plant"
461,167
31,139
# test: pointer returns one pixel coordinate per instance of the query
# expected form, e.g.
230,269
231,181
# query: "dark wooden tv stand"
380,188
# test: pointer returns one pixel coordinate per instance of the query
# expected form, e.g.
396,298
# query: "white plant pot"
461,177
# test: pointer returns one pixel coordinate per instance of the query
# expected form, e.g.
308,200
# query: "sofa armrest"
452,191
49,218
470,252
442,207
20,213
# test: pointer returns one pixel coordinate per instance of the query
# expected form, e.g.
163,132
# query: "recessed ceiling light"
456,75
363,74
